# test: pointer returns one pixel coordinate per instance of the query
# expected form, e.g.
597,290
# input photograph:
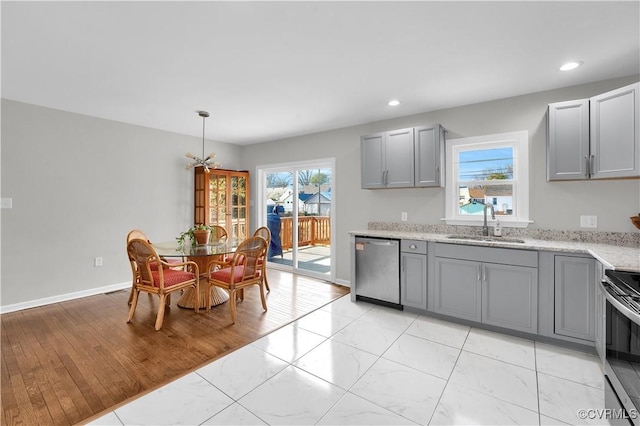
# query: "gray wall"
79,184
554,205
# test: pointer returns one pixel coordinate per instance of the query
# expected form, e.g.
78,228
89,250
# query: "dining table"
201,254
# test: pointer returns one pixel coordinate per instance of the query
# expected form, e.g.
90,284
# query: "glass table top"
172,249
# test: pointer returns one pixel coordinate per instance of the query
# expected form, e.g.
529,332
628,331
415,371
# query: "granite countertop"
612,256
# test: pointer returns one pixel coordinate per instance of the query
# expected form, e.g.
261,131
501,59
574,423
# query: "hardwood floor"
67,362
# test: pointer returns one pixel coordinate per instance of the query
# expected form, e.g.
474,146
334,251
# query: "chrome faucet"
485,228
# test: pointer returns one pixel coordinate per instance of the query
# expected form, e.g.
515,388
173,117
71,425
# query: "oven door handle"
608,294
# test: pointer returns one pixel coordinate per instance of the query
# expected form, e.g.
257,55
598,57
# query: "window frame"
519,142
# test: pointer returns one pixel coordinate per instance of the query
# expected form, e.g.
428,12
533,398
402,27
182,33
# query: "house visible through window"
484,175
488,170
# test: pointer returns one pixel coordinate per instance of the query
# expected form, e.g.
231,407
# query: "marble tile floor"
361,364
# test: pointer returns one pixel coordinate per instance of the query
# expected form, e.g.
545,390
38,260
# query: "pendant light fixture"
206,162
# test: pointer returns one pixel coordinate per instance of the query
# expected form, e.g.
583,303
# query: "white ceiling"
270,70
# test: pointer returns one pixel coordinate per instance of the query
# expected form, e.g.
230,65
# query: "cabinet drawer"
413,246
498,255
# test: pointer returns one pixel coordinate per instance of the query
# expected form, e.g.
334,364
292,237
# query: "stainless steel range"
622,354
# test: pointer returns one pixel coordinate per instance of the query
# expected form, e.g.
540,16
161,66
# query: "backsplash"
626,239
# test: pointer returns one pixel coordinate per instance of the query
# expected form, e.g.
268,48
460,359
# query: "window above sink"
491,169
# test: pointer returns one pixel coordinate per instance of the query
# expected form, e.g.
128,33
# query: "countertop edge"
612,257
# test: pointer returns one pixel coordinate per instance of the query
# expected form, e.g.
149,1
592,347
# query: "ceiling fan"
206,162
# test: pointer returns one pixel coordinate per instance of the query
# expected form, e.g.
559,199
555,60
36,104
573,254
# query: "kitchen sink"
486,239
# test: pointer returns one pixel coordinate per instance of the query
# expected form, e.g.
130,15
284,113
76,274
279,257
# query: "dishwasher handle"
381,243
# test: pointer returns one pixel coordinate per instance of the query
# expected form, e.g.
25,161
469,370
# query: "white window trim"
520,141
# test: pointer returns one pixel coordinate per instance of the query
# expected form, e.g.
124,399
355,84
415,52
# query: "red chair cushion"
224,274
171,277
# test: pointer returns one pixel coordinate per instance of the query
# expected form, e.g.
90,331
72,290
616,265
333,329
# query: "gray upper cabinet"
596,138
615,133
568,140
387,159
574,303
429,156
372,150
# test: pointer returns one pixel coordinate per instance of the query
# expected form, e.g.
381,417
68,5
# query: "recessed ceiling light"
570,65
393,102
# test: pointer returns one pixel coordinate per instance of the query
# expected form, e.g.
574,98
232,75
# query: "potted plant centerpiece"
198,234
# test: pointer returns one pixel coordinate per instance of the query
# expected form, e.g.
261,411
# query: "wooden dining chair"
136,233
133,234
160,280
218,234
264,232
242,272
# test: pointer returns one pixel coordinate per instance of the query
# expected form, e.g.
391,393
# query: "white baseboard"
84,293
345,283
61,298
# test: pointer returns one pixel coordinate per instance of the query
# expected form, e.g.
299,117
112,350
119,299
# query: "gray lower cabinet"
600,323
478,289
509,296
457,288
413,274
574,301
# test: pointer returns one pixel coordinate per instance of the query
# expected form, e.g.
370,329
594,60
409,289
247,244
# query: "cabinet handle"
591,168
484,273
587,166
413,246
478,276
386,177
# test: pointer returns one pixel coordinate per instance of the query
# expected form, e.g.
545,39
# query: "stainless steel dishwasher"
378,271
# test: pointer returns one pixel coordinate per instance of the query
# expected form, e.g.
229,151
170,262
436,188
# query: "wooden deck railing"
312,230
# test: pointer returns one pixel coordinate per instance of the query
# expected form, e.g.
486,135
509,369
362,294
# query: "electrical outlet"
588,221
403,216
97,261
6,203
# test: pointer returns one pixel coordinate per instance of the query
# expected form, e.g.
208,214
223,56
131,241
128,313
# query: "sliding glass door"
296,203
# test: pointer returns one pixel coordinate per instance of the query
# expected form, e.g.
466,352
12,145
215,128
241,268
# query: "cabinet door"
575,297
457,290
429,156
413,280
568,140
510,297
399,159
600,319
238,206
221,197
615,128
201,196
372,158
